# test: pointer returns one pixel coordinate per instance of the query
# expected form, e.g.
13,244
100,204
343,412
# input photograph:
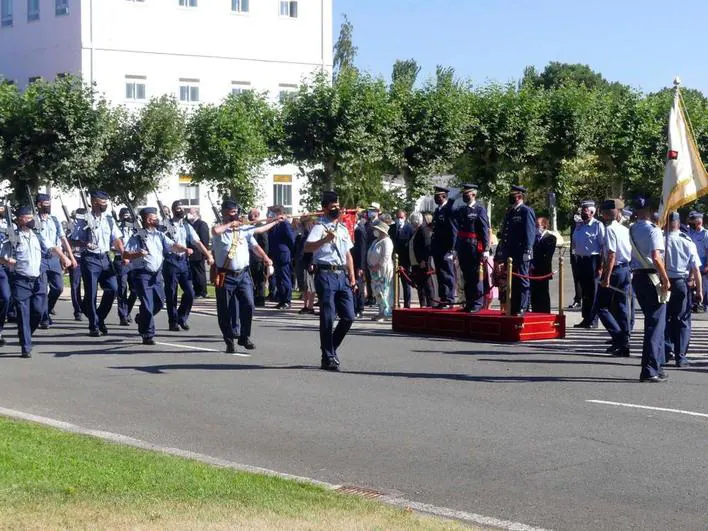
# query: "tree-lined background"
564,129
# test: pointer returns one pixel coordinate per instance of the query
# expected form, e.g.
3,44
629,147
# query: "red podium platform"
487,325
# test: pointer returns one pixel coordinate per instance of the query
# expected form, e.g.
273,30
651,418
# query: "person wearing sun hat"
379,260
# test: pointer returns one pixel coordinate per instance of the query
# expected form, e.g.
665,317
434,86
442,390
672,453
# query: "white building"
197,50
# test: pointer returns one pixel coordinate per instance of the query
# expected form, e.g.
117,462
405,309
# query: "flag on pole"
685,177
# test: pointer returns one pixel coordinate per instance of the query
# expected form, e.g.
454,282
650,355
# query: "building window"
283,192
288,8
237,87
61,7
286,91
188,192
6,13
32,10
188,3
239,6
135,88
189,90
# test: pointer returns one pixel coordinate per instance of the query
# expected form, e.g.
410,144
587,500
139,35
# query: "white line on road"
191,347
215,461
638,406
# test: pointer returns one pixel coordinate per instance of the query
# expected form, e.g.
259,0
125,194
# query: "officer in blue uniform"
281,242
472,245
518,234
651,283
699,235
587,248
29,287
126,294
146,249
75,273
682,262
177,272
96,235
442,245
5,295
51,230
615,283
234,297
330,245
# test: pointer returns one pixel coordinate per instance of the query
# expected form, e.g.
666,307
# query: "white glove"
271,271
449,257
526,257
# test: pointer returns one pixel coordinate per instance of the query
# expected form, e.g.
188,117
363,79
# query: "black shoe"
442,306
43,326
3,341
304,311
621,352
583,324
230,347
683,363
103,329
94,333
611,349
124,322
26,354
78,316
330,364
148,341
184,326
670,357
175,328
609,341
471,309
520,313
654,379
246,343
52,312
574,306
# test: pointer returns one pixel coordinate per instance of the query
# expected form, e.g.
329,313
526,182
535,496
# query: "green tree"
229,144
557,74
344,49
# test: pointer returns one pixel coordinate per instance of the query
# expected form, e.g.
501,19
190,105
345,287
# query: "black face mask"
467,199
45,209
30,224
103,208
584,216
334,213
438,200
512,200
232,218
126,219
179,214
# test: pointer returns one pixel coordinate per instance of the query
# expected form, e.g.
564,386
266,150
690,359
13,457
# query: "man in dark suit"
282,242
359,257
442,246
400,233
256,265
542,264
196,261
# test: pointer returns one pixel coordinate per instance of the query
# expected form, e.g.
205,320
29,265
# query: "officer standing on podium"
442,246
472,245
650,282
518,235
330,245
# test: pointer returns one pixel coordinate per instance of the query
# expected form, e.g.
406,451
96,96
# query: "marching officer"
176,270
29,287
442,246
472,246
587,248
75,273
234,287
330,245
126,294
699,235
651,285
615,284
281,240
51,267
146,249
96,234
518,234
682,262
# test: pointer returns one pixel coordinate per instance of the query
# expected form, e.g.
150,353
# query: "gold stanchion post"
561,303
395,282
509,278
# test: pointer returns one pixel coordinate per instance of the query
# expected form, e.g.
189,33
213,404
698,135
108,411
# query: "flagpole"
667,226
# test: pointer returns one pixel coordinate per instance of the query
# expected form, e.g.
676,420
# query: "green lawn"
54,479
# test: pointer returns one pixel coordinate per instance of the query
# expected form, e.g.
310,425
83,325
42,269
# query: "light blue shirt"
700,238
106,234
49,231
156,243
231,248
28,253
588,238
679,255
647,238
334,252
617,241
184,234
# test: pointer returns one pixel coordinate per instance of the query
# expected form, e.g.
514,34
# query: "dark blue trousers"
31,298
613,308
126,294
5,297
445,271
587,271
474,285
283,280
520,286
654,325
150,291
97,269
678,319
336,300
75,278
176,272
234,306
55,281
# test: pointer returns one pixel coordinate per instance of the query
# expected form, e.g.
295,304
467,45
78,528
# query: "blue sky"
643,43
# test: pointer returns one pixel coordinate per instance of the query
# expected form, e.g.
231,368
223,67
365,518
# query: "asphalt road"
504,431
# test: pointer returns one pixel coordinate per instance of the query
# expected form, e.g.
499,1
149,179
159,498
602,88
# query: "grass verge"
53,479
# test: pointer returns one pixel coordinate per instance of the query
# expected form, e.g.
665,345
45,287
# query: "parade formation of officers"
613,263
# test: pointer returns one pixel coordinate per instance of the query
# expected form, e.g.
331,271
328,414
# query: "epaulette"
685,236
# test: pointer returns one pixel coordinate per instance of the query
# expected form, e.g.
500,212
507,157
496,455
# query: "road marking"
215,461
638,406
190,347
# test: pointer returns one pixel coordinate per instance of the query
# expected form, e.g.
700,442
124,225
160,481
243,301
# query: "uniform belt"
469,235
587,255
329,267
645,271
232,272
624,264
